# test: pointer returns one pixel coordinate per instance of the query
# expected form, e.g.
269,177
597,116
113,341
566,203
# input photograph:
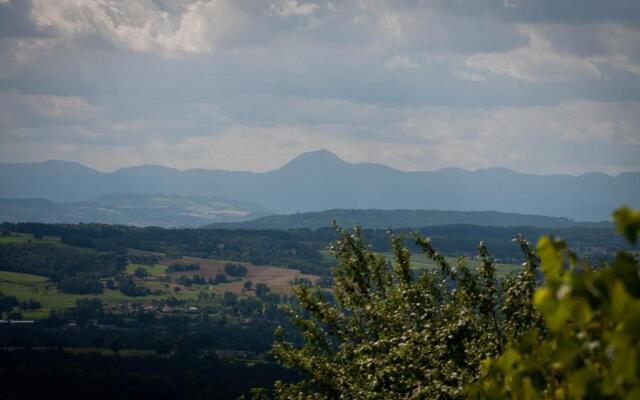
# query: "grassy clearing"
25,279
39,288
44,292
21,238
138,252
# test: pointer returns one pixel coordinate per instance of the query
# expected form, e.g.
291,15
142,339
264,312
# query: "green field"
25,237
20,278
153,270
39,288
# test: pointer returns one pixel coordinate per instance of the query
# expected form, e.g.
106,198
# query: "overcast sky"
544,86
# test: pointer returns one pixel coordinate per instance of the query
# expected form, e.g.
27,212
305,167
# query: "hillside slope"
395,219
132,209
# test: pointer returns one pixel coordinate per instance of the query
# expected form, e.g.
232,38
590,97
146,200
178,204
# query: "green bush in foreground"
460,333
391,335
591,348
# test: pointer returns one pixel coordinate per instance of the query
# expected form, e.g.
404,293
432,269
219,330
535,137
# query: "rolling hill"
396,219
319,180
132,209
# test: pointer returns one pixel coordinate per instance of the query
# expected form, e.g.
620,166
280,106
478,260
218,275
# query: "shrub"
458,333
235,269
261,289
219,278
391,335
591,348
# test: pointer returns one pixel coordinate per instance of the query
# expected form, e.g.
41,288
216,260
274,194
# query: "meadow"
163,285
39,288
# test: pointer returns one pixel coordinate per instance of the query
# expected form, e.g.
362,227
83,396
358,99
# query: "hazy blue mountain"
319,180
394,219
132,209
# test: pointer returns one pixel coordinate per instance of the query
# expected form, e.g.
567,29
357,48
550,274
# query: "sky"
544,86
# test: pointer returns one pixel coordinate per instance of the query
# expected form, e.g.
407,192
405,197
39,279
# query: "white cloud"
17,110
573,137
538,62
140,26
473,76
398,62
287,8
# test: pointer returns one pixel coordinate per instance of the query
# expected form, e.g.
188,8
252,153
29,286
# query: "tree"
230,298
392,335
116,346
219,278
30,305
140,272
7,303
129,288
261,289
14,315
247,285
235,269
591,348
87,309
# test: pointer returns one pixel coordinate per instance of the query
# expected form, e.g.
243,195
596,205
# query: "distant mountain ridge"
396,219
132,209
320,180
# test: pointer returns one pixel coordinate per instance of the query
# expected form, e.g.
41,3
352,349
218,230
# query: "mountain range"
320,180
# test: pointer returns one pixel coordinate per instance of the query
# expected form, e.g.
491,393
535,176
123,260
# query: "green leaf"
627,223
549,251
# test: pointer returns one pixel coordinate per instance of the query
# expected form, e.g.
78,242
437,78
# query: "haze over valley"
314,181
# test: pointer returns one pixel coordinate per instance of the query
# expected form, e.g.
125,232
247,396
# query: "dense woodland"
93,376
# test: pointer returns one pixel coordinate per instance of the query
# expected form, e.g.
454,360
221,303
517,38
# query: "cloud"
573,137
537,86
547,11
194,26
287,8
17,110
400,62
460,73
537,62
